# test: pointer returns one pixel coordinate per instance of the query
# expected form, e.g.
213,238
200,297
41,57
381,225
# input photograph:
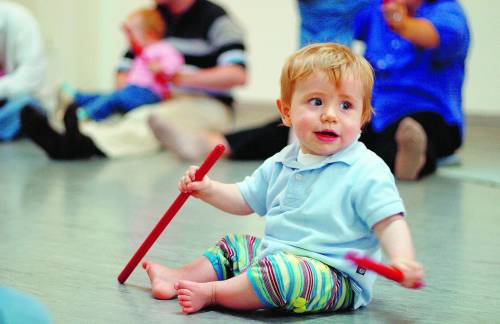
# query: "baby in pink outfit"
148,80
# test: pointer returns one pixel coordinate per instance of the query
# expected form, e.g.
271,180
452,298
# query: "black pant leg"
258,143
383,144
67,146
442,140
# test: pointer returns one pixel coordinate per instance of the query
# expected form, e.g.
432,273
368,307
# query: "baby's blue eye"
315,102
345,105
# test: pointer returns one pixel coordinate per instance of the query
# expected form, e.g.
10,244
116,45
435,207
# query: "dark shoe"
36,126
71,120
71,146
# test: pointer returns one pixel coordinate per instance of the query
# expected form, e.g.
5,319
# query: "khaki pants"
131,134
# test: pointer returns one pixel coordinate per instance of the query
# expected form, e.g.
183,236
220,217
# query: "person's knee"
153,121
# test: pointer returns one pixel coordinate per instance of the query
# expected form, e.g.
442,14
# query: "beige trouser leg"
194,113
131,134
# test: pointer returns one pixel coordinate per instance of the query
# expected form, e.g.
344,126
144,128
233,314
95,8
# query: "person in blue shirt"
322,196
328,21
418,51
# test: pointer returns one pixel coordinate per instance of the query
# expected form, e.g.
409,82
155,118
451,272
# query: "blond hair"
336,61
151,21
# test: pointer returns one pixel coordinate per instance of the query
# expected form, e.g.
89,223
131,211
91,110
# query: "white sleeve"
27,70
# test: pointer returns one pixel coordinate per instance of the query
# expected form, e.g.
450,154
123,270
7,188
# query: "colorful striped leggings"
282,280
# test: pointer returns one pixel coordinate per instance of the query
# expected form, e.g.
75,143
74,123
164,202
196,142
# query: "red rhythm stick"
169,214
390,273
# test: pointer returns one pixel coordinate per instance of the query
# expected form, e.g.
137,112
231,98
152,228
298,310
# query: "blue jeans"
10,121
99,106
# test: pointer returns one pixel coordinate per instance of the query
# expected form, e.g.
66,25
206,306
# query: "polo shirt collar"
348,155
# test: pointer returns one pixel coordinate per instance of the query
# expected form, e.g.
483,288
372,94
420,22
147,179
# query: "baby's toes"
184,292
188,310
185,303
184,297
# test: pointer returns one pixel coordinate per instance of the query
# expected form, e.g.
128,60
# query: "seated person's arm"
230,70
395,239
216,78
30,72
226,197
419,31
27,78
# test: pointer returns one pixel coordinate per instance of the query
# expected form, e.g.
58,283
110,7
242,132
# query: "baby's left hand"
413,272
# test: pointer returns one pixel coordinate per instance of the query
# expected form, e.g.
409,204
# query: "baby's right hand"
413,272
188,184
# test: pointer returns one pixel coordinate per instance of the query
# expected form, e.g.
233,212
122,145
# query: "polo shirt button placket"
294,191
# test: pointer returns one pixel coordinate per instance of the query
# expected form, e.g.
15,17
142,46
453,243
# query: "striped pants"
282,280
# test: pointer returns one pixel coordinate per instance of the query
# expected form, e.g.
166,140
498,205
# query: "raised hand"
395,14
188,184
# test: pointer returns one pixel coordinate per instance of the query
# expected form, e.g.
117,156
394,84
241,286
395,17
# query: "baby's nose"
329,117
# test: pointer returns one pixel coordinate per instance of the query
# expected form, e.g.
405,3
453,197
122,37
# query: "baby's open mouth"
327,132
326,135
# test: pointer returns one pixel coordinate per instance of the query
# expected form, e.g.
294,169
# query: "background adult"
22,65
320,21
418,50
212,45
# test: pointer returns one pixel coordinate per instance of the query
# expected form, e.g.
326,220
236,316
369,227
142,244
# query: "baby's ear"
278,104
284,112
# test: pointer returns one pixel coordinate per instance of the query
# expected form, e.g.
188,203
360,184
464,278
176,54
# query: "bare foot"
194,296
162,280
215,138
65,96
412,145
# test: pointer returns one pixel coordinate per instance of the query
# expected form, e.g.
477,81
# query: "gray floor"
67,229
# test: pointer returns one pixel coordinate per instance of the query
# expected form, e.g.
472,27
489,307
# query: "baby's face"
134,30
325,118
